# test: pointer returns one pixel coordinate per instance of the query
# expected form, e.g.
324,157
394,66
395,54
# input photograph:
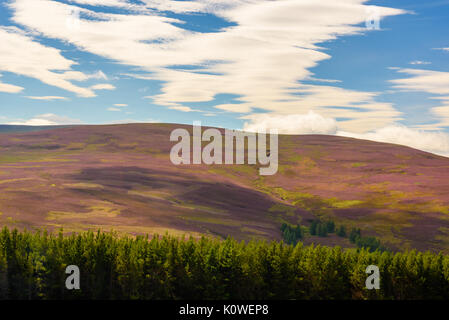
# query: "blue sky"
368,69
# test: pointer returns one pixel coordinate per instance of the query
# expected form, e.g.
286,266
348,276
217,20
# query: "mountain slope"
120,177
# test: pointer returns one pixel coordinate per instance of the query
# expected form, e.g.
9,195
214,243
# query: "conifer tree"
330,226
341,232
313,227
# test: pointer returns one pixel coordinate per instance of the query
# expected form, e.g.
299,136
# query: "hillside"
120,177
10,128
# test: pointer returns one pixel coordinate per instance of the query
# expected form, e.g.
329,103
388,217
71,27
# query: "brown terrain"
119,177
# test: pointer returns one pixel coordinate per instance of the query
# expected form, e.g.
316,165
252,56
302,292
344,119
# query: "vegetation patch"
279,207
83,185
213,220
94,212
358,164
344,204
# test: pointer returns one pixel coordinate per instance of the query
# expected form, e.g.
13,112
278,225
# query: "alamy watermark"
73,280
192,152
373,280
372,21
73,20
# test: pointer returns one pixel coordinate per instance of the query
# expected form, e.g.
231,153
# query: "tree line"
32,266
294,233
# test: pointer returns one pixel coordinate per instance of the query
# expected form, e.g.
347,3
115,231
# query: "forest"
32,266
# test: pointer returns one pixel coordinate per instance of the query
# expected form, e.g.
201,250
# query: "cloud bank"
47,119
434,142
262,57
313,123
310,123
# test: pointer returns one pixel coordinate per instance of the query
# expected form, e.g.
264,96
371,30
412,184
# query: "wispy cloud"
419,62
46,98
10,88
444,49
22,55
99,75
183,108
431,82
103,86
436,82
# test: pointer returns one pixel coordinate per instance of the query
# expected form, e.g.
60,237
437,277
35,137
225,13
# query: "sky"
374,70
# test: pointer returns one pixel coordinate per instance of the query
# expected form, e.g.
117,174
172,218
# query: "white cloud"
47,119
434,142
442,113
432,82
103,86
22,55
310,123
98,75
105,3
419,62
323,80
80,76
261,59
46,98
313,123
234,107
120,105
10,88
436,82
183,109
114,109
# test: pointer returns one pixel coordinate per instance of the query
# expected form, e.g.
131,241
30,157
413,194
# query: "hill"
120,177
20,128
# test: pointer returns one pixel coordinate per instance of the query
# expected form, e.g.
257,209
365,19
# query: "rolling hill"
120,177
